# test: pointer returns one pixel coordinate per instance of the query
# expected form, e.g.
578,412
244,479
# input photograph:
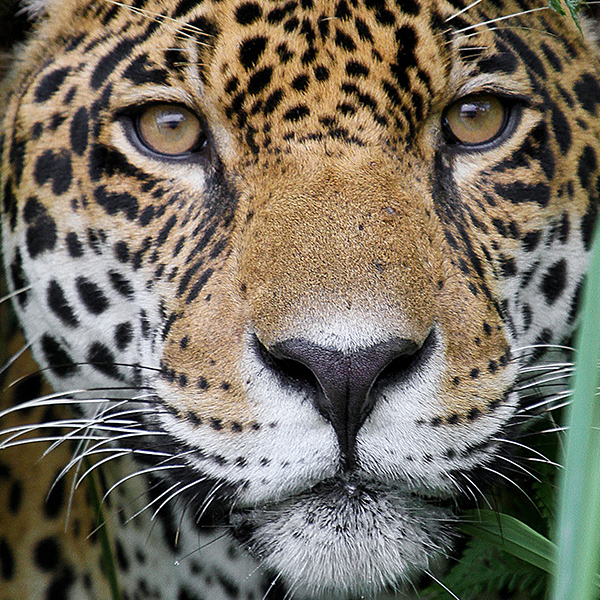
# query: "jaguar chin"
346,537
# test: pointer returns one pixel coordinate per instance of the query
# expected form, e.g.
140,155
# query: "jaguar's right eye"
170,130
475,120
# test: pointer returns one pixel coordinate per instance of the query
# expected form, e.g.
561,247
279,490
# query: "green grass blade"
578,531
515,537
107,556
512,536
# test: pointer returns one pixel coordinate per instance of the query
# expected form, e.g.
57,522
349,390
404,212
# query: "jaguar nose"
341,383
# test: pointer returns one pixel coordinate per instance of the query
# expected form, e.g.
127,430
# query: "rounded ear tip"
33,8
17,10
15,22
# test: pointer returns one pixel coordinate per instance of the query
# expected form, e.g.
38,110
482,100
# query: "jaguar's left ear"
34,8
590,23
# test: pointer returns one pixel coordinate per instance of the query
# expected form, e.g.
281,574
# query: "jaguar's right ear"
16,19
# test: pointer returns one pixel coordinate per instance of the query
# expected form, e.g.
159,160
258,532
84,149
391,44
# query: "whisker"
207,501
15,293
536,347
547,367
146,471
442,585
115,454
472,488
164,18
11,361
558,397
93,425
554,377
520,467
464,10
64,399
180,491
273,583
154,501
540,456
509,480
503,18
200,548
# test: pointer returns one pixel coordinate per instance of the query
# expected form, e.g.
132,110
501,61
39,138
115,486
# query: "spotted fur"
311,332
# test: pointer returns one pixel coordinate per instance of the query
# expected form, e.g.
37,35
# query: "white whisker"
200,548
545,380
147,471
173,496
509,480
540,456
558,397
11,361
165,19
15,293
520,467
464,10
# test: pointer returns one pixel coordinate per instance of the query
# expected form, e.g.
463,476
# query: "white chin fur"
339,539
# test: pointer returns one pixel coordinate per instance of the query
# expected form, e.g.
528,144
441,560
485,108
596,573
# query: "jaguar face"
295,254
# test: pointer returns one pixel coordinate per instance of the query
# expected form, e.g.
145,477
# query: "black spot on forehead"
277,55
344,41
503,60
410,7
278,14
205,29
141,71
251,51
183,7
247,13
79,131
111,60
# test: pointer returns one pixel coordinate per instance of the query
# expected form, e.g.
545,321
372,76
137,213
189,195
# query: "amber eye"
170,130
475,119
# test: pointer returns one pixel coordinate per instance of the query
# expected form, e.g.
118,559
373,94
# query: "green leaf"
557,6
483,570
578,531
513,536
573,6
107,555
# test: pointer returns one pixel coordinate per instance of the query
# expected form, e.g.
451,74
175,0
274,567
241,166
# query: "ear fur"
34,8
14,25
590,25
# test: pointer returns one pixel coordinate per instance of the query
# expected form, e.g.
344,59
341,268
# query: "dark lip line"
352,486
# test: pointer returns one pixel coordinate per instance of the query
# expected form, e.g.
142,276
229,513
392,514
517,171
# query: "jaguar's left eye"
475,119
170,130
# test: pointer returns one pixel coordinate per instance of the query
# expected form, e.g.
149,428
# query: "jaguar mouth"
346,536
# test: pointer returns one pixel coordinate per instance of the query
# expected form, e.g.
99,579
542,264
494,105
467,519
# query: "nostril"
405,365
289,371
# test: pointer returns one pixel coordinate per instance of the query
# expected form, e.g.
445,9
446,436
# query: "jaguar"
281,267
